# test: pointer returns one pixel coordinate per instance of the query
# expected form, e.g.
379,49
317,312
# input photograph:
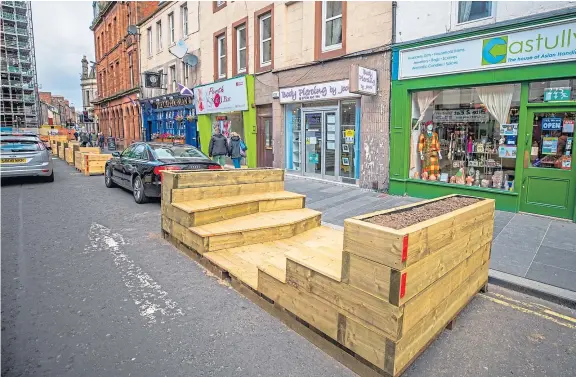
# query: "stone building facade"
117,67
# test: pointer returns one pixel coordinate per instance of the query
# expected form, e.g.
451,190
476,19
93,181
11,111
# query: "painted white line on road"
153,303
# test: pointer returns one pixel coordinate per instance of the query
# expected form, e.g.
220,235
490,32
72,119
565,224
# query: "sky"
61,37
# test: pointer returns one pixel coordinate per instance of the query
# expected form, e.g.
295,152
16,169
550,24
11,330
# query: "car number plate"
12,160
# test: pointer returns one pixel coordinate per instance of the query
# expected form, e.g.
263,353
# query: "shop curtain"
424,99
497,99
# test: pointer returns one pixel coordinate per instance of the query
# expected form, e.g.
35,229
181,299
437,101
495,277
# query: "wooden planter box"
79,160
94,164
429,270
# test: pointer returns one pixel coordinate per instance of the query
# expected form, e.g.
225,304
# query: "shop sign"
174,102
552,124
461,116
224,96
509,129
363,80
316,92
557,94
550,43
506,151
568,126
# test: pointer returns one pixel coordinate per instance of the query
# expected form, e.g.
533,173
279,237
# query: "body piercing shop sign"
315,92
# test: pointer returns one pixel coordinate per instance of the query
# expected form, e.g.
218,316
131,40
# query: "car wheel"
50,178
108,178
138,190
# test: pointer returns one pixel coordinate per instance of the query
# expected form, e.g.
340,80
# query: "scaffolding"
19,106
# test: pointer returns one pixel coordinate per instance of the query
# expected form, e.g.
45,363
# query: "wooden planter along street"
94,164
381,294
79,160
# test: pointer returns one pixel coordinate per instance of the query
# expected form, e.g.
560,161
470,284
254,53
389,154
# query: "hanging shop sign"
316,92
174,102
461,116
363,80
223,96
550,43
552,124
557,94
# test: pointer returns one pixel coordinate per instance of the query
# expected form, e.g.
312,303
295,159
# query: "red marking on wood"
403,284
405,248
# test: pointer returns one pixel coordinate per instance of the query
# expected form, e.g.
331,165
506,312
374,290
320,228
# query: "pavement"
90,288
532,252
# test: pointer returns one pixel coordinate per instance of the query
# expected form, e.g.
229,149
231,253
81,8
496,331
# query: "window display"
466,136
552,140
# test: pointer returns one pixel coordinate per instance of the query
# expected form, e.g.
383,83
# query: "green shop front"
488,113
229,105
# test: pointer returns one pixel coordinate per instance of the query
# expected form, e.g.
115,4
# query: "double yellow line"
538,310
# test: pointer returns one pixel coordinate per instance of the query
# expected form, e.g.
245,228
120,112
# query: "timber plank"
204,178
368,276
210,192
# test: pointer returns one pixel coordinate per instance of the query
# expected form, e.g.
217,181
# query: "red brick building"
117,67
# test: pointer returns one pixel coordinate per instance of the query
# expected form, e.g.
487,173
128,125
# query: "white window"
159,32
150,41
220,3
184,74
184,15
221,42
241,45
331,25
266,39
161,73
173,77
171,27
474,10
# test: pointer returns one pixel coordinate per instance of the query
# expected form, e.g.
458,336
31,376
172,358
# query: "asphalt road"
89,288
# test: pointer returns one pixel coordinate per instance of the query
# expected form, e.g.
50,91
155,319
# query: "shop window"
294,122
553,91
184,15
331,25
553,140
473,10
466,136
159,33
171,27
348,138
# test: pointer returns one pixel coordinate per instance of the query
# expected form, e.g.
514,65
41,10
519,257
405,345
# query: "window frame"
185,73
161,73
236,27
131,69
325,20
258,16
221,55
220,34
171,29
172,73
159,36
184,19
150,41
320,53
261,40
216,7
483,19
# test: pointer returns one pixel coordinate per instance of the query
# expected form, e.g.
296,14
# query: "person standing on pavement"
237,149
84,139
101,140
218,148
75,135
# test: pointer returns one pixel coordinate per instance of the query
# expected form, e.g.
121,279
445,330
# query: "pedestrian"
93,139
218,148
84,139
75,135
101,140
237,149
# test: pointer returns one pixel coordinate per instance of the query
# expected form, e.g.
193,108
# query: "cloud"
61,37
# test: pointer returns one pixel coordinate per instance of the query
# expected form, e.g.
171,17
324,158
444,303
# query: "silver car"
25,156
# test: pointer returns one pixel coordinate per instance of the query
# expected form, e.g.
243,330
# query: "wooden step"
206,211
251,229
320,248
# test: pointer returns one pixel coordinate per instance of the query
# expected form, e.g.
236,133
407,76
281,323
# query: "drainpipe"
393,41
394,6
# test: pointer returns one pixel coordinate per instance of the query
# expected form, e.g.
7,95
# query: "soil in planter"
410,216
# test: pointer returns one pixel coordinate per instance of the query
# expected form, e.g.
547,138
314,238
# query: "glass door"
313,143
549,182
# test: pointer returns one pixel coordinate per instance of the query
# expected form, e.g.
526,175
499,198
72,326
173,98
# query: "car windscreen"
16,145
176,152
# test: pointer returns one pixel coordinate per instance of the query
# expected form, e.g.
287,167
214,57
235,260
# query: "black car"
139,167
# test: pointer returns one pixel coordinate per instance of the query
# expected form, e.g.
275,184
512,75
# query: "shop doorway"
264,140
320,138
549,182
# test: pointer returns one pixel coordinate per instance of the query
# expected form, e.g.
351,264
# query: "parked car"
25,155
139,167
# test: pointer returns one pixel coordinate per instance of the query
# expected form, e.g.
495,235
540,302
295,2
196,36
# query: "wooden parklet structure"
89,160
374,297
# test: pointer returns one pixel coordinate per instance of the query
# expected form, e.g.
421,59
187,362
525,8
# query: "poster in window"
345,161
345,148
506,151
509,129
549,145
330,119
568,126
552,124
313,158
331,145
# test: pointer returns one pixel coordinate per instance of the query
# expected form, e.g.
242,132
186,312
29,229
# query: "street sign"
557,94
111,144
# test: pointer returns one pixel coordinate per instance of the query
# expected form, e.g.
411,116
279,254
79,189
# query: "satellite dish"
190,60
179,50
132,30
